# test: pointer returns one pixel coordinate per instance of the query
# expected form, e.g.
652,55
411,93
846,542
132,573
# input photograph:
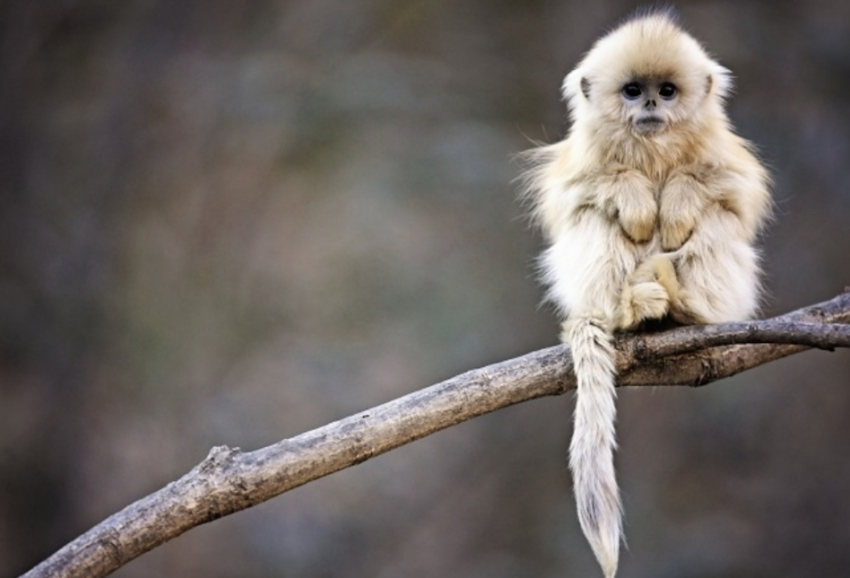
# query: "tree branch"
229,480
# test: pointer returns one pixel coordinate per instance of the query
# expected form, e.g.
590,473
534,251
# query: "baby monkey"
651,207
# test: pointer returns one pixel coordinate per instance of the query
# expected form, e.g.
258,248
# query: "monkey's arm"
744,192
593,229
709,216
625,196
717,264
740,188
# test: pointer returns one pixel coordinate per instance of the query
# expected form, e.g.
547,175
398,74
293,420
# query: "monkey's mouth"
649,123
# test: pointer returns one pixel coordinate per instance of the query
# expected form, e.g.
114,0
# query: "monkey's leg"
650,292
587,267
717,271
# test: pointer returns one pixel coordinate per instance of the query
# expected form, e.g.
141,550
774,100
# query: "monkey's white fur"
651,206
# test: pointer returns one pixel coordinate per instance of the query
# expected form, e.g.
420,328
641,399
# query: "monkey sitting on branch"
651,207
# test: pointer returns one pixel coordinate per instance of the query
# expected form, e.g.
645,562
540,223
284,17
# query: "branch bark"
229,480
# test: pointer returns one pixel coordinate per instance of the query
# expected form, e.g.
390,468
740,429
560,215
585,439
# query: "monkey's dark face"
649,104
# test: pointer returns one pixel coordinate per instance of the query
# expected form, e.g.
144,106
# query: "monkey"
651,207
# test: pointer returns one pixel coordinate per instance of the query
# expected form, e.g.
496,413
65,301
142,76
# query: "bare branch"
229,480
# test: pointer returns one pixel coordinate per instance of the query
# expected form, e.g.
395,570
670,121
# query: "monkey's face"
649,104
642,103
648,79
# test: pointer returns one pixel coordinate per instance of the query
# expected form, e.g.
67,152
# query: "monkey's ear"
575,85
719,81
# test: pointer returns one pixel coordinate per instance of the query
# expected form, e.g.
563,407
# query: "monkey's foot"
683,310
645,300
661,269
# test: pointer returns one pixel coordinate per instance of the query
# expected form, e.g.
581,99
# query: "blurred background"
231,221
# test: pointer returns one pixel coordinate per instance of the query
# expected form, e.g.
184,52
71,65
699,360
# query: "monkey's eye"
667,91
632,90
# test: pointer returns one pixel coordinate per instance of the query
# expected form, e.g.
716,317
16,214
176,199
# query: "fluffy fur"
651,207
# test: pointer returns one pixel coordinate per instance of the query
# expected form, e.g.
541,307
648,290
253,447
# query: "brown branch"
229,480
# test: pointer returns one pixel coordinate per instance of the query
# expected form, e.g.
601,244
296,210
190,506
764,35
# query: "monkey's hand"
683,200
631,201
637,214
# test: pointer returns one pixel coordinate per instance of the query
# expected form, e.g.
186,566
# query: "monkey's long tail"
593,444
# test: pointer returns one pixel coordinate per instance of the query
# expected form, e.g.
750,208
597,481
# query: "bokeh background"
231,221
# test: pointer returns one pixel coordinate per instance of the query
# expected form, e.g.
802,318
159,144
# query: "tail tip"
610,568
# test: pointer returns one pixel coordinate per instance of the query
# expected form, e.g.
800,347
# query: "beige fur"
651,207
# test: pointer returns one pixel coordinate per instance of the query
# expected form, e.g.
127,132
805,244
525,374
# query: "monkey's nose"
650,104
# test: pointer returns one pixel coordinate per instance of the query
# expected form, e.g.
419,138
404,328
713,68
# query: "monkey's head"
647,78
